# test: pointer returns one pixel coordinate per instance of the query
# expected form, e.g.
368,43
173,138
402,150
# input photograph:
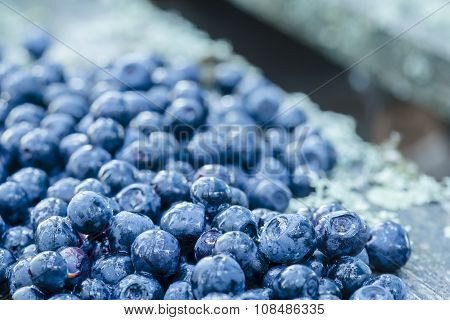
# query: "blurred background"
403,87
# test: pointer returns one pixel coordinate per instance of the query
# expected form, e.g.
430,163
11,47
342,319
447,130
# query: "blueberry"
113,268
140,198
28,252
28,293
87,161
277,139
328,297
306,212
185,220
287,238
36,43
372,292
147,122
60,125
236,218
261,216
296,281
289,117
63,189
106,133
341,233
26,112
254,294
138,287
217,296
16,238
94,289
39,148
349,273
156,252
78,265
64,296
214,194
184,272
183,116
242,248
329,287
89,212
74,105
132,74
263,104
300,183
111,104
48,72
159,95
124,228
392,283
214,170
388,247
137,101
55,232
272,169
19,276
6,260
93,185
243,146
117,174
363,256
10,139
205,243
271,274
144,176
207,148
48,271
318,263
238,178
69,144
326,209
227,76
238,197
20,87
272,195
34,181
217,274
182,167
13,203
171,186
179,290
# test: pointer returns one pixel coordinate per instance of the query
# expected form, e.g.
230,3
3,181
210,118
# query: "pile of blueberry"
154,180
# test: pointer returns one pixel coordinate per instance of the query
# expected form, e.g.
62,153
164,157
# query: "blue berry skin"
300,183
89,212
64,296
289,117
363,256
261,216
54,233
10,139
372,292
272,169
171,186
329,287
388,247
263,104
138,287
34,181
255,294
2,226
93,185
18,275
78,265
179,290
63,189
188,90
217,296
296,281
36,43
328,297
21,87
94,289
185,220
277,139
107,134
112,268
145,176
117,174
243,146
205,243
242,248
48,271
271,274
341,233
138,102
306,212
318,263
14,203
140,198
349,273
287,238
147,122
326,209
111,104
71,143
39,148
132,74
227,76
6,260
182,167
392,283
272,195
74,105
184,272
28,293
48,72
238,197
16,238
159,95
214,194
124,228
87,161
214,170
156,252
26,112
59,124
236,218
183,116
28,252
207,148
217,274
